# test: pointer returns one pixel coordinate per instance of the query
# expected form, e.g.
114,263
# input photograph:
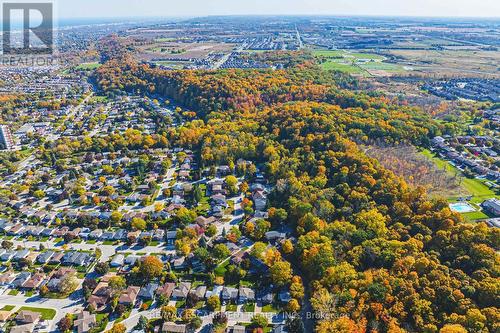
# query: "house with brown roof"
181,291
169,327
100,296
6,278
34,281
108,277
27,317
27,328
63,271
56,258
204,221
84,322
199,292
166,290
98,302
4,315
129,296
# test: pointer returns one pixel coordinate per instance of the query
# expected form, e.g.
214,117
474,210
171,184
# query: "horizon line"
276,15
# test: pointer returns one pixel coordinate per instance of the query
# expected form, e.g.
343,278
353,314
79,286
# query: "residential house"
179,263
129,296
56,258
229,294
84,233
280,329
95,234
26,328
204,221
166,290
246,295
181,291
219,200
21,254
171,237
20,279
148,291
275,235
159,235
169,327
118,260
265,296
238,258
4,315
7,255
236,329
216,291
84,322
259,199
131,259
28,317
16,230
492,206
100,296
44,257
107,236
47,232
284,296
120,234
77,259
34,281
75,232
6,278
199,292
223,170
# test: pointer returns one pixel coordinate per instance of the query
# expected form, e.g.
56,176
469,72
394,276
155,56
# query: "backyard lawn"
269,308
7,307
249,307
231,307
88,66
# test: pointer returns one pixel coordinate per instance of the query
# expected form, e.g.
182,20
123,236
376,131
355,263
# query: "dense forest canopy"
378,254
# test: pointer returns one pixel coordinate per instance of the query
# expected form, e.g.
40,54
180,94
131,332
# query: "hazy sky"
168,8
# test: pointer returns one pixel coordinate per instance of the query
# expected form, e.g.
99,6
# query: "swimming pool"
462,207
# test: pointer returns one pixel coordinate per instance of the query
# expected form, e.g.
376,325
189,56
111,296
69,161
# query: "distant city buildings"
493,206
466,88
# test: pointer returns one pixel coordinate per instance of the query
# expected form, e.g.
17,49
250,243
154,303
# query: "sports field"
367,64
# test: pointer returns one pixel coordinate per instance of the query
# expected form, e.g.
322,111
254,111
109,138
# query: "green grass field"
346,68
474,216
328,53
382,66
355,62
7,308
270,308
346,54
88,66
